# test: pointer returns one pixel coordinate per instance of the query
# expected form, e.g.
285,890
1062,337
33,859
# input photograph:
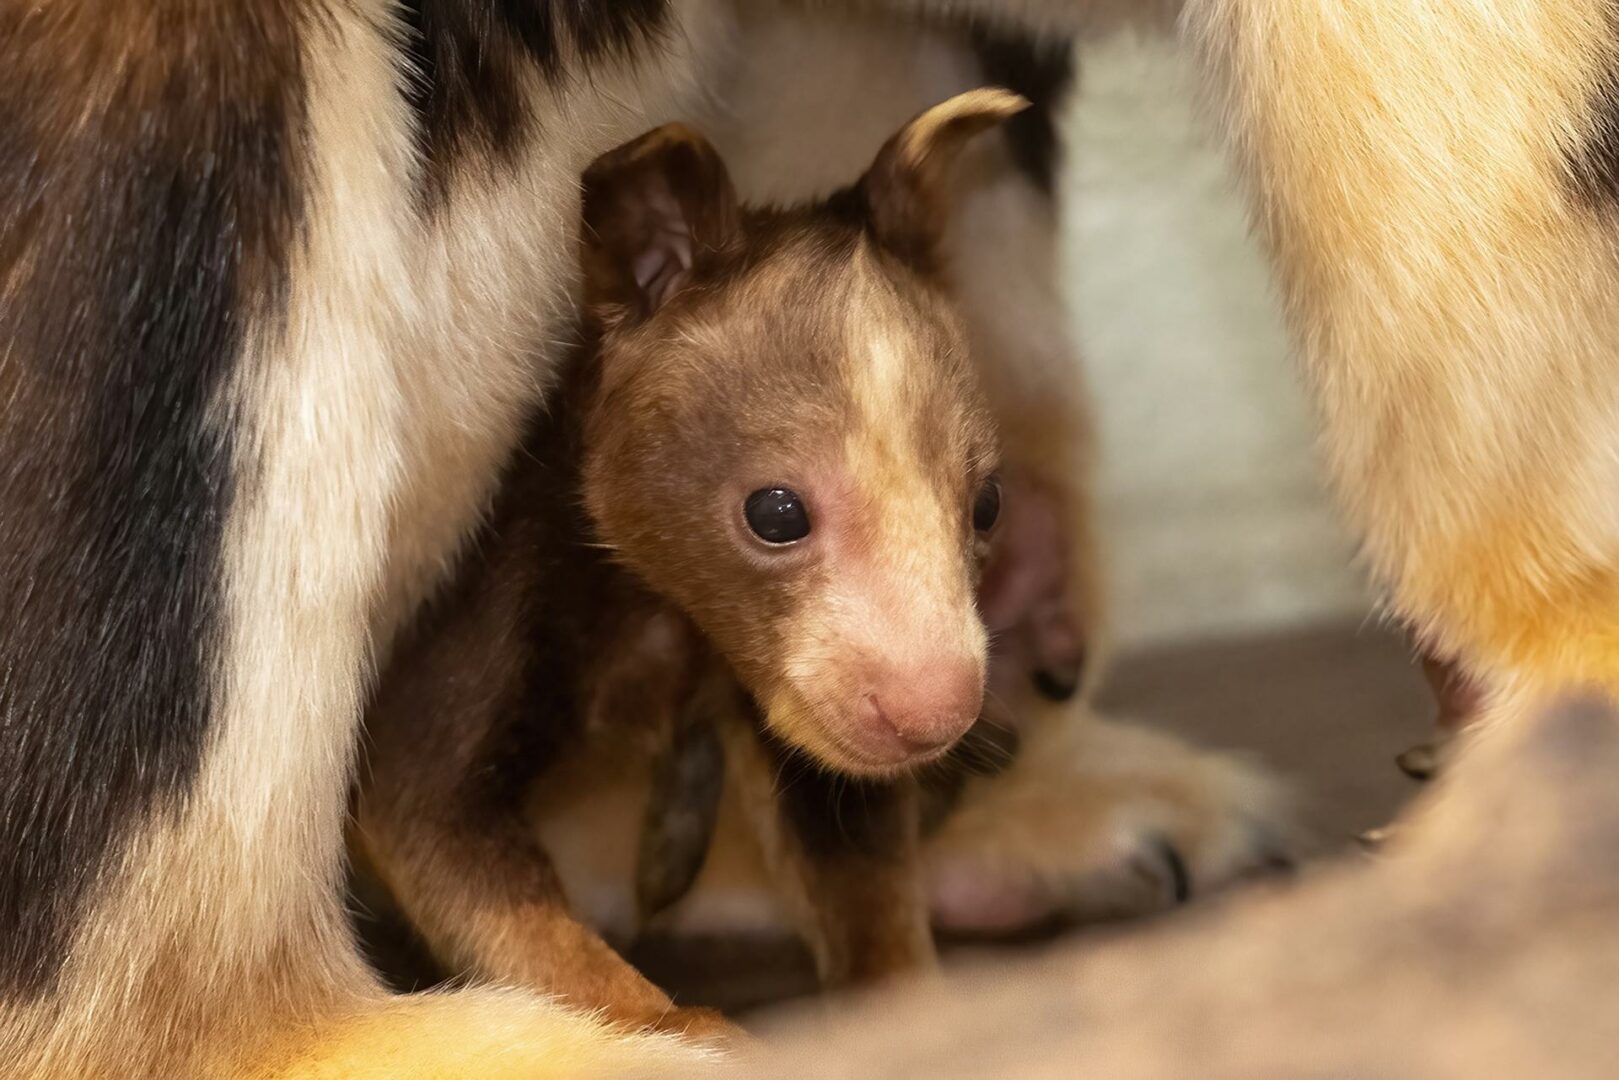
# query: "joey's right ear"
906,190
655,210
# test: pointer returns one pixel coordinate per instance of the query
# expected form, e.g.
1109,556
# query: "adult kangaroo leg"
1436,183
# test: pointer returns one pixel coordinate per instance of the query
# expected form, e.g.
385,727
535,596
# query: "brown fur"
751,616
827,77
487,695
841,857
740,341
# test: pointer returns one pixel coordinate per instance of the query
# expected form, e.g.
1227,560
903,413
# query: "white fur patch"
372,419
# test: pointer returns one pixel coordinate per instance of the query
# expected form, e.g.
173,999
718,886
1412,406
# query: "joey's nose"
918,711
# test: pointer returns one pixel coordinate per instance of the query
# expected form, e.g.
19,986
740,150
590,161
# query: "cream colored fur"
894,603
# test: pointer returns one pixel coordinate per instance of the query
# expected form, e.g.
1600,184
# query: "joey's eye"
776,515
987,505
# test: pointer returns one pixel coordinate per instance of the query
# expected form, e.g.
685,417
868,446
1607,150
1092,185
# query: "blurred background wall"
1210,496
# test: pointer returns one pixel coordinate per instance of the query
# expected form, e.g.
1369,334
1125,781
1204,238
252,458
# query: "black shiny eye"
776,515
987,505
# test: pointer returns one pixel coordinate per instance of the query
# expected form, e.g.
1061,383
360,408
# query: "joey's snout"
915,712
870,714
882,666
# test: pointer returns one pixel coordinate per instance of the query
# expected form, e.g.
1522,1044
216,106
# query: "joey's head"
786,439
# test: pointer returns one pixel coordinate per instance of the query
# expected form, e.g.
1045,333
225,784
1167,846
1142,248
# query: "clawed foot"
1098,820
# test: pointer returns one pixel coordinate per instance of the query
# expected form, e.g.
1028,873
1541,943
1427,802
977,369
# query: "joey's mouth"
871,758
858,763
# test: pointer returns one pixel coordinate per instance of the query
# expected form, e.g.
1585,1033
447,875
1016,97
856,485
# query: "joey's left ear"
655,211
907,189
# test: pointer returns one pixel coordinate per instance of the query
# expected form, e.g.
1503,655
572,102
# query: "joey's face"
798,456
786,439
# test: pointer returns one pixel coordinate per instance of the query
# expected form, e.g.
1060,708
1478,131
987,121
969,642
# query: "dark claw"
1056,687
1421,762
1180,878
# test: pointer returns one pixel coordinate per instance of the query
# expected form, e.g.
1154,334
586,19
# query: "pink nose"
909,713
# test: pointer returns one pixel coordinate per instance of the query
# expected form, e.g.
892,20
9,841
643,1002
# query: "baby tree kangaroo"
763,490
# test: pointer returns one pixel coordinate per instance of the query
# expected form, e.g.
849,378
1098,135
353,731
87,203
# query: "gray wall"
1209,497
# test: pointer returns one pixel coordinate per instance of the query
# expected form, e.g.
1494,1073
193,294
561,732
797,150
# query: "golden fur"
1452,294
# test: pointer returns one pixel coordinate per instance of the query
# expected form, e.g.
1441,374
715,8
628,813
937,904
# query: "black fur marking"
989,747
834,815
147,186
1042,70
1595,167
470,57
